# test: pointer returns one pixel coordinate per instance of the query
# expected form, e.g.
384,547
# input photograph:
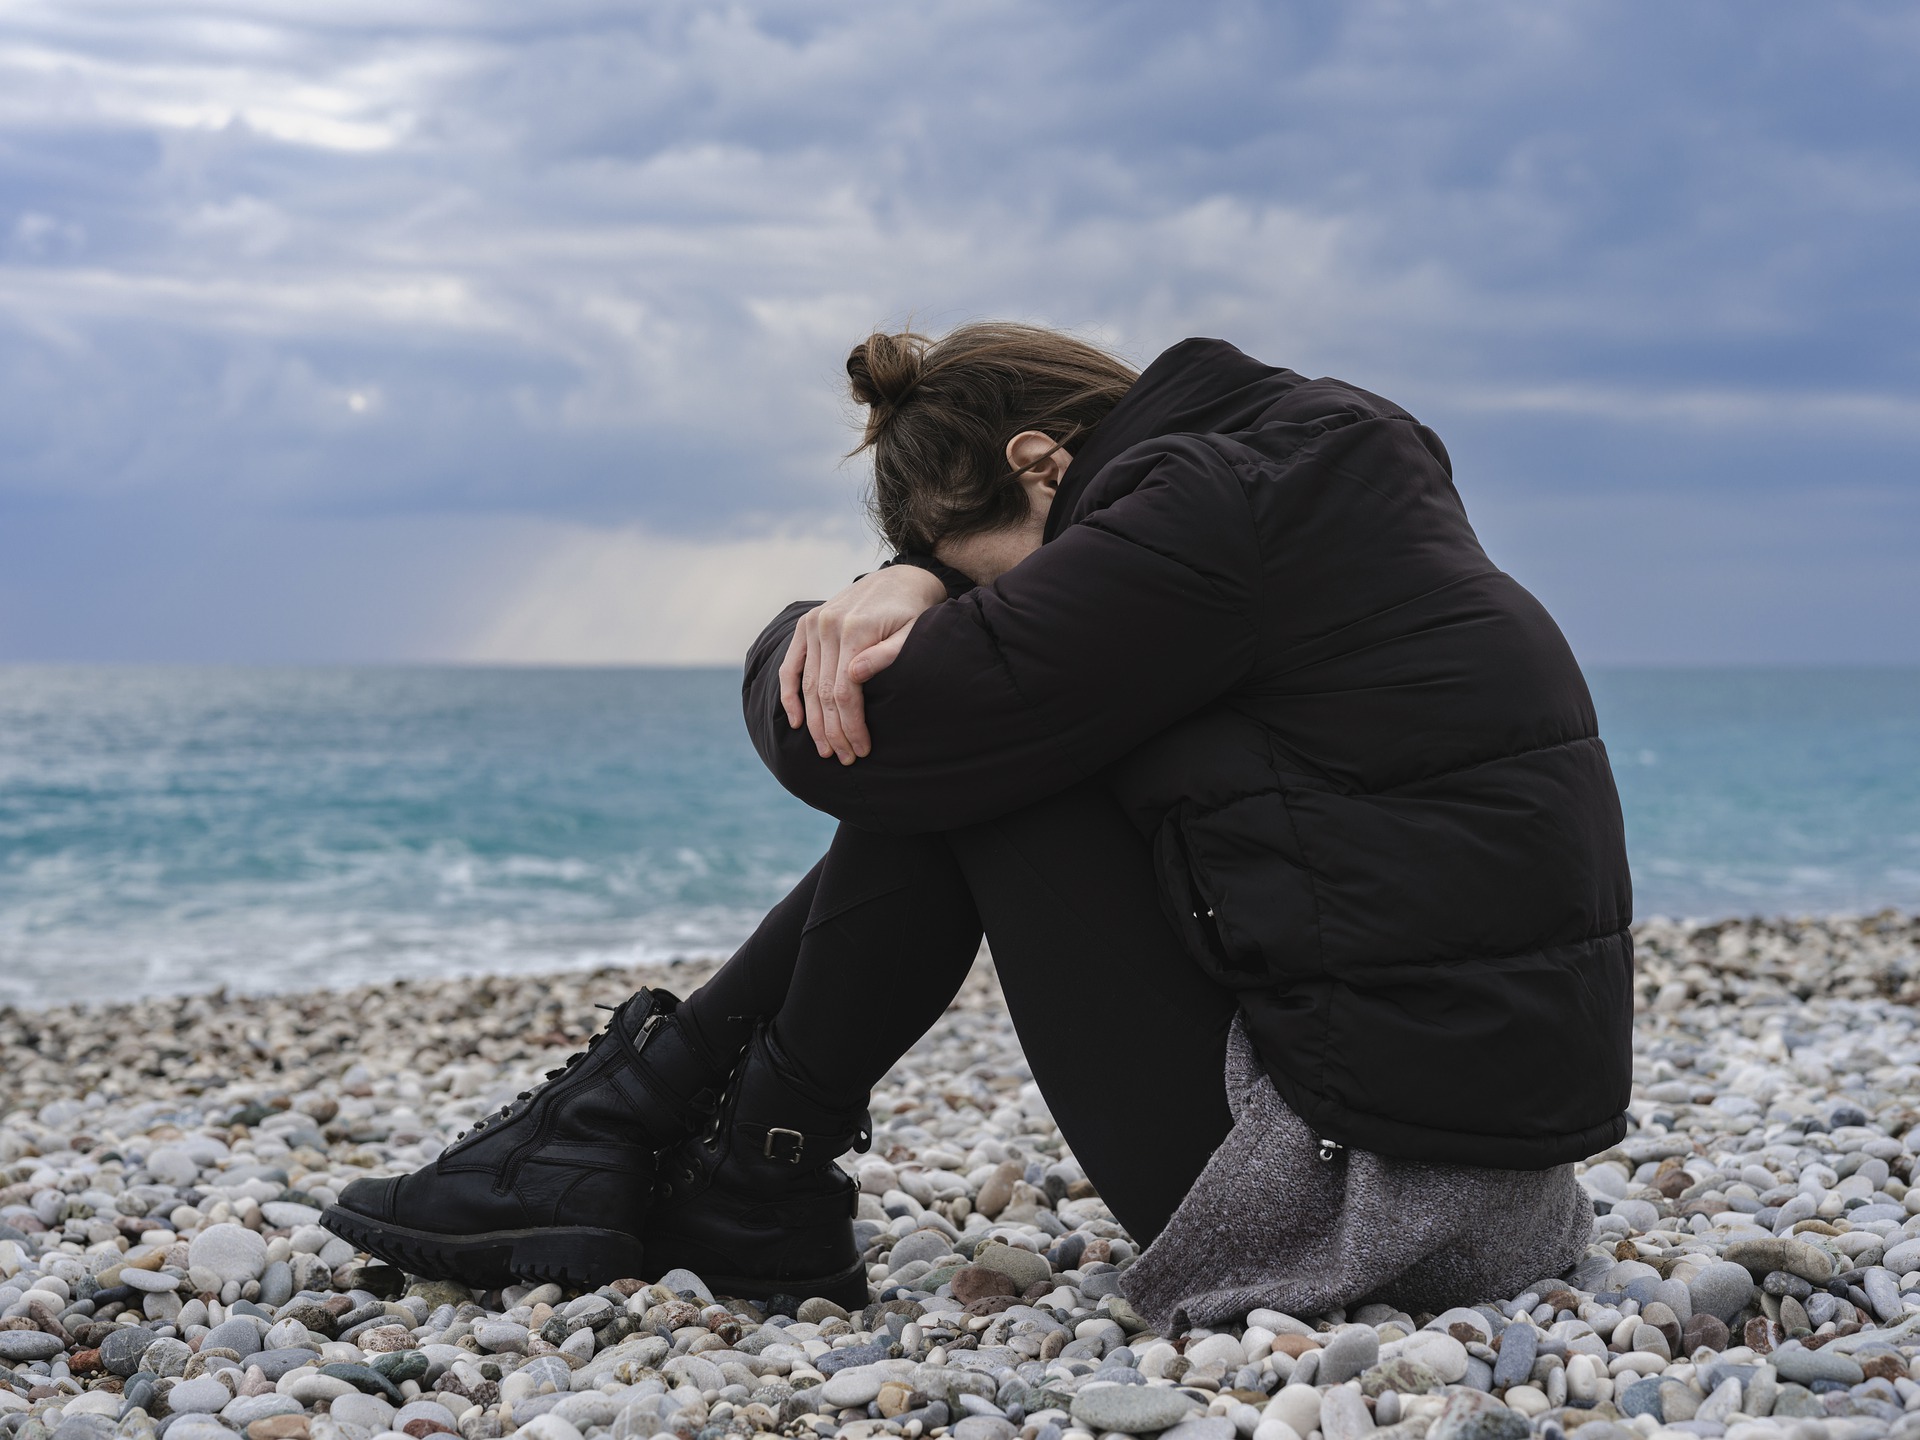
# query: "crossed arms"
940,713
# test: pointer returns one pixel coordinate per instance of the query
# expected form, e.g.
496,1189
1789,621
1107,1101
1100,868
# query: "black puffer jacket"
1365,758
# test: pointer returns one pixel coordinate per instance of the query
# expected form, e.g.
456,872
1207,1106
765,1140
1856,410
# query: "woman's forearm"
1023,687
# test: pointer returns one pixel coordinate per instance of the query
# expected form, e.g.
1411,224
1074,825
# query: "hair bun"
883,369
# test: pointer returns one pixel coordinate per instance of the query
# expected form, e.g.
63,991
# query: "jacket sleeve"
1133,617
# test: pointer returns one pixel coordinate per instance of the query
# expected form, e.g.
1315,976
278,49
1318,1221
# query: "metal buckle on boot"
799,1144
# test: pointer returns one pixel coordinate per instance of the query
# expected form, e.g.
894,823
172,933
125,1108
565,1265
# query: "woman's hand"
839,646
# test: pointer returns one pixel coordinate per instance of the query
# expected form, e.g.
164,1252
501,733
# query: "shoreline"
1663,932
190,1141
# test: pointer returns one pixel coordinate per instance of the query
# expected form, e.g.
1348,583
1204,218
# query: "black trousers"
1126,1037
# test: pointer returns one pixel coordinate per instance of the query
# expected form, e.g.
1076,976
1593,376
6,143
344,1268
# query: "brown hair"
942,411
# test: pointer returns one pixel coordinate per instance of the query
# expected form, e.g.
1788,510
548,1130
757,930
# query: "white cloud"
41,237
275,72
246,225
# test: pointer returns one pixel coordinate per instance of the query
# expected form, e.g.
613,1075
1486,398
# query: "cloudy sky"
510,332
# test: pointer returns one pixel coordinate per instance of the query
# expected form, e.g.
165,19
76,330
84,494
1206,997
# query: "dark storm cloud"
597,265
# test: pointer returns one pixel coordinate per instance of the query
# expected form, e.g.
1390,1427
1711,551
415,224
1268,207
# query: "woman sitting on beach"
1282,809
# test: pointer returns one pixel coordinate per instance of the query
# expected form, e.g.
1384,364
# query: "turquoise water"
177,829
1772,792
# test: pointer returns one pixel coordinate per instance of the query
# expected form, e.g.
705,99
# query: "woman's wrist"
956,582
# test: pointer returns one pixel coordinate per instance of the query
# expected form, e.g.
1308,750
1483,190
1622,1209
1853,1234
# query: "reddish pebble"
977,1282
1707,1330
1884,1367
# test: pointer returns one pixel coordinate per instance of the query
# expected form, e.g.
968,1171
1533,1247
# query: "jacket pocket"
1237,893
1190,902
1200,909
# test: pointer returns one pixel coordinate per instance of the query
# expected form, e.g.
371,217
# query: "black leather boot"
557,1185
756,1206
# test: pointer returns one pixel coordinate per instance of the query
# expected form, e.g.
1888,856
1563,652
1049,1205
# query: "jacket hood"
1199,387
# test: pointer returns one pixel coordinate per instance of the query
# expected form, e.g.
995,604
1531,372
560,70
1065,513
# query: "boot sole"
573,1256
846,1288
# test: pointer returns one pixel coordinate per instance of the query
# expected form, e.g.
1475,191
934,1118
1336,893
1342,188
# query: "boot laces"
519,1102
708,1137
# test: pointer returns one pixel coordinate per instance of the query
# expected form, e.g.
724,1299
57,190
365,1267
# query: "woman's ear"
1039,460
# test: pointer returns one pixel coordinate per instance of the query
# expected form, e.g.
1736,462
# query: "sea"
171,830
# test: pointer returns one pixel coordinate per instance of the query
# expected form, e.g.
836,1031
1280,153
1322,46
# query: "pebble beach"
1753,1271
